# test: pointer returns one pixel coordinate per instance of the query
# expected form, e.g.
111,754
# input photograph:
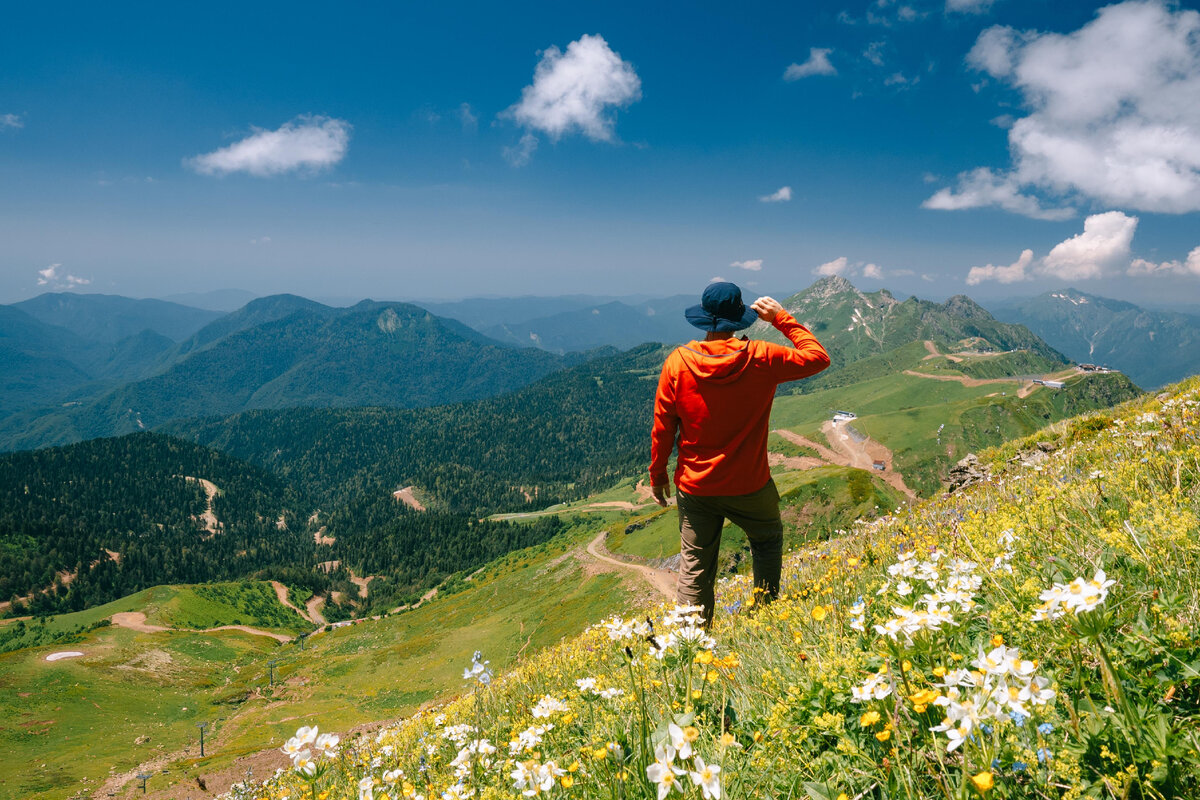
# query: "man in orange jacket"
716,395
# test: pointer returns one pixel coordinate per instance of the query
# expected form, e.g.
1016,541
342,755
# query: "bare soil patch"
409,498
661,580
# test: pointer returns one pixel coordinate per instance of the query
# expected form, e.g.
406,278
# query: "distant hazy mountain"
111,318
38,362
285,351
217,300
615,323
1151,347
482,313
854,325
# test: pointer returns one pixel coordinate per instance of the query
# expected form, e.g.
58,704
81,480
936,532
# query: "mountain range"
1152,347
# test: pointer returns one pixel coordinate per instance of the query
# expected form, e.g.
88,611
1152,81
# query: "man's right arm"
662,435
804,358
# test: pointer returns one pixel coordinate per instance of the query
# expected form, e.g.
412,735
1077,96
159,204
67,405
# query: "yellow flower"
818,613
843,796
758,737
574,767
567,781
727,739
704,657
884,735
939,672
712,676
983,781
691,733
600,753
997,640
906,665
868,719
696,694
923,697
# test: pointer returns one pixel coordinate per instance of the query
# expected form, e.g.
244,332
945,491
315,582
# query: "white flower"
904,588
366,789
326,744
876,687
533,778
706,777
392,775
292,746
548,706
611,693
679,741
478,671
664,772
586,684
304,764
307,735
528,739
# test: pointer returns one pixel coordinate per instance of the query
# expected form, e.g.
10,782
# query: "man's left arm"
662,434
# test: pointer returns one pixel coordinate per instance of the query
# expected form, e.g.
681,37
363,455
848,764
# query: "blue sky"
448,150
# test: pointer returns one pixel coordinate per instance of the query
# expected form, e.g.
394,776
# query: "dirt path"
964,380
136,621
662,580
281,592
864,454
362,583
849,453
211,523
824,452
933,353
314,611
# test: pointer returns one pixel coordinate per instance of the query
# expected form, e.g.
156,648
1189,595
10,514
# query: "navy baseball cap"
721,309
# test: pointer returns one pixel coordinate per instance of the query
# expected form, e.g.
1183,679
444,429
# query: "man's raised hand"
766,308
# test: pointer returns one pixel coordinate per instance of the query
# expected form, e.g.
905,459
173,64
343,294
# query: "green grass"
80,717
213,604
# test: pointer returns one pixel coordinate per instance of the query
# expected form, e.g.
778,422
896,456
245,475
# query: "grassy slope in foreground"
66,723
1104,699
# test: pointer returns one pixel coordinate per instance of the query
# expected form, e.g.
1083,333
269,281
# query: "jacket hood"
720,361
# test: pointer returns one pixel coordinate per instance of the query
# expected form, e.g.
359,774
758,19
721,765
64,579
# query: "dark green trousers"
700,523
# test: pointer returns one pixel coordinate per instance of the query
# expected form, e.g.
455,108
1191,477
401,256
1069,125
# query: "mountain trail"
935,353
964,380
136,621
209,518
661,580
314,611
409,499
281,592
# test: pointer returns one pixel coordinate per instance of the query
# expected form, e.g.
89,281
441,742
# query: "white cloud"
835,267
874,53
982,187
519,155
817,64
968,6
1102,248
468,118
872,271
307,142
576,91
1013,273
1114,110
50,277
261,240
11,121
753,264
717,279
781,195
1189,267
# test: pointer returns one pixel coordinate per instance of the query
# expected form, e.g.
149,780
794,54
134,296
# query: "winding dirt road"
136,621
847,452
1026,386
663,581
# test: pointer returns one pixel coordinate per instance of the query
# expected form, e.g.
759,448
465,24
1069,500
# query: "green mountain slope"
283,352
854,325
1152,347
111,318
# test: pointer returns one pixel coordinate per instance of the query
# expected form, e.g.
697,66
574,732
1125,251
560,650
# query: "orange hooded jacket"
717,397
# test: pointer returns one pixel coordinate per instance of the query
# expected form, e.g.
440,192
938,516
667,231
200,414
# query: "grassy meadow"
1033,636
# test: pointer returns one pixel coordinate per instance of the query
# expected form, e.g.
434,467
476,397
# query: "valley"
271,566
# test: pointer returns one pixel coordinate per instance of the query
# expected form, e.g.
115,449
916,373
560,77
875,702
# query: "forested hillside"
561,438
101,519
285,351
